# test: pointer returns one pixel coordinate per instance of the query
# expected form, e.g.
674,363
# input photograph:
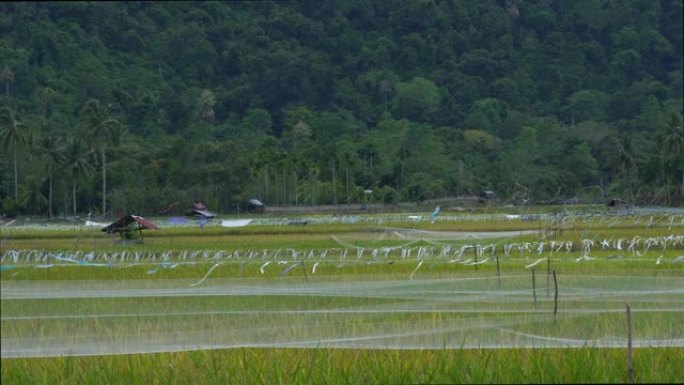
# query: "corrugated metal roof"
205,213
126,221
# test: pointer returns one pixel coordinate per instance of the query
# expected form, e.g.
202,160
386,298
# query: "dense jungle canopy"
155,105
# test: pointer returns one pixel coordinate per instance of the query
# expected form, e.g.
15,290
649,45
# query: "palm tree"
102,131
625,159
77,164
42,96
347,157
51,149
314,171
31,196
674,142
7,77
11,137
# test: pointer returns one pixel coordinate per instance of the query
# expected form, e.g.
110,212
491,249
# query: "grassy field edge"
343,366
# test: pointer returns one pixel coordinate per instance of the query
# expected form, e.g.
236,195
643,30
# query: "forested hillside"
153,104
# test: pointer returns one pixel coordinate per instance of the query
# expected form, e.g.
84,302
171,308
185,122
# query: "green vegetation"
146,107
335,366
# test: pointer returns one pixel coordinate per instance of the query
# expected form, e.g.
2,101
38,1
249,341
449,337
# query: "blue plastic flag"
435,214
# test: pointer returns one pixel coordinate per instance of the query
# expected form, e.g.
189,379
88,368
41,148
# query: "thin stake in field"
548,275
555,296
534,290
498,273
78,236
630,366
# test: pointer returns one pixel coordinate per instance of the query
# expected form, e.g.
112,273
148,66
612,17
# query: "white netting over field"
50,318
405,296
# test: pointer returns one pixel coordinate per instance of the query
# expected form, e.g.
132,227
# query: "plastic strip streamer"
634,247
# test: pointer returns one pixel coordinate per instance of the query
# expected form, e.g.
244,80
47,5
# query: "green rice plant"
343,366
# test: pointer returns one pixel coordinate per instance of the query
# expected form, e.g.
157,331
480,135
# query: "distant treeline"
322,102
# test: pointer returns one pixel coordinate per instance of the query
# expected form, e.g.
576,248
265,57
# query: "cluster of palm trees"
74,158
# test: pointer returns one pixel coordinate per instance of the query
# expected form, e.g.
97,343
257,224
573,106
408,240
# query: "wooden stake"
630,366
555,297
548,275
498,273
534,290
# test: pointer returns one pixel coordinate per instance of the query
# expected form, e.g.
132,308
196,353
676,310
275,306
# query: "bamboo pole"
548,275
534,290
498,272
555,297
630,365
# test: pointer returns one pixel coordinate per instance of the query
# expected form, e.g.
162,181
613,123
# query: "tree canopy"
150,103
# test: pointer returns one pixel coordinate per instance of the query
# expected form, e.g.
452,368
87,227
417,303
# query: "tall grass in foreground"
340,366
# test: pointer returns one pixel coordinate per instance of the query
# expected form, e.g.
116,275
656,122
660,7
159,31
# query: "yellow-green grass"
350,270
315,238
340,366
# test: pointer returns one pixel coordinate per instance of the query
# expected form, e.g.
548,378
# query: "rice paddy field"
568,295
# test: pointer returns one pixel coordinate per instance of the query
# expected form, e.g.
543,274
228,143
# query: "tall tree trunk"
266,192
50,198
334,184
16,179
276,184
403,162
371,160
283,178
104,183
296,189
346,180
73,195
313,183
65,200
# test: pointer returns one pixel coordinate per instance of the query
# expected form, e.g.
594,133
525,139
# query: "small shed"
486,196
199,210
617,203
255,206
130,227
